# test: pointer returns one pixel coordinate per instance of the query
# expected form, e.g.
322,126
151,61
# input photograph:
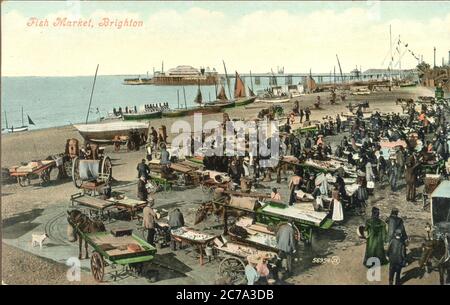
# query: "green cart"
307,223
110,250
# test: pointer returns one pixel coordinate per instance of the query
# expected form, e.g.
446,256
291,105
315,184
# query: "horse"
81,223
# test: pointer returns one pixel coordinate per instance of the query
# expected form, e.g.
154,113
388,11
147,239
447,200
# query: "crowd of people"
379,148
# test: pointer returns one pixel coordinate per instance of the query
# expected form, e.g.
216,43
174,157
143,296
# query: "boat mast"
228,80
390,50
92,92
22,116
251,80
215,87
184,94
334,76
6,120
340,69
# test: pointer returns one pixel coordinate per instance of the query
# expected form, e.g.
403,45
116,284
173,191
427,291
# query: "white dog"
38,239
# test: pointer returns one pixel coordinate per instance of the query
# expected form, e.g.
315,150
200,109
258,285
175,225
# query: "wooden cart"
130,206
104,173
25,173
188,236
234,254
113,251
99,209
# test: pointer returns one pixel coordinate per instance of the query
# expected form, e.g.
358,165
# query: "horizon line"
268,73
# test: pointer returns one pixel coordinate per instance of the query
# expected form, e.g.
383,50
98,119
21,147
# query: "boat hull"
190,111
18,129
141,116
273,101
221,104
244,101
108,131
174,113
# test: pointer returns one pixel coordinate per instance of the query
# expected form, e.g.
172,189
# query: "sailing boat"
201,108
20,128
204,108
221,100
239,93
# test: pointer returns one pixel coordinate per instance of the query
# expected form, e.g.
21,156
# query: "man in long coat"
376,237
410,179
149,218
397,258
142,192
400,158
286,244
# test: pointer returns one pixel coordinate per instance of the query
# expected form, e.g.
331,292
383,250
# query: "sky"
247,35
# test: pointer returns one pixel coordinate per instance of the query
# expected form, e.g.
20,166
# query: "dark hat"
375,212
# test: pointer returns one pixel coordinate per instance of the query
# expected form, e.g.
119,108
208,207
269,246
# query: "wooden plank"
181,168
296,213
129,202
93,202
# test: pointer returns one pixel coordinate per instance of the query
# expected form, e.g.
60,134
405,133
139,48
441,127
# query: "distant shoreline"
380,71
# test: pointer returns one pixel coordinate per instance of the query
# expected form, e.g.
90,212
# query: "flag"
30,121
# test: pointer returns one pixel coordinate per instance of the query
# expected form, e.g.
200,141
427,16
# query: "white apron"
338,213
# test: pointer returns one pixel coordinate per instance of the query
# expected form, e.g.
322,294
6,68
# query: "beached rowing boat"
107,131
274,100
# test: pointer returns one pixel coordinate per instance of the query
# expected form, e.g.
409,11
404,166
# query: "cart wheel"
97,266
76,172
234,269
106,169
45,176
297,234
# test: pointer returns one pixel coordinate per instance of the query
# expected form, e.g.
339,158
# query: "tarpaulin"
89,169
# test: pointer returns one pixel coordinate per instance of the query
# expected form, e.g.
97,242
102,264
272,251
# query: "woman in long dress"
376,237
336,205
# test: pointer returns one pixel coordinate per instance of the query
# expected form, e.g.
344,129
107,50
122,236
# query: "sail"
30,121
222,95
251,92
239,87
310,84
198,98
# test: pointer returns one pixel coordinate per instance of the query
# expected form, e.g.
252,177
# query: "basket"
431,183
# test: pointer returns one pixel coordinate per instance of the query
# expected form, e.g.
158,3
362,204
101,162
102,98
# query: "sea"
59,101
